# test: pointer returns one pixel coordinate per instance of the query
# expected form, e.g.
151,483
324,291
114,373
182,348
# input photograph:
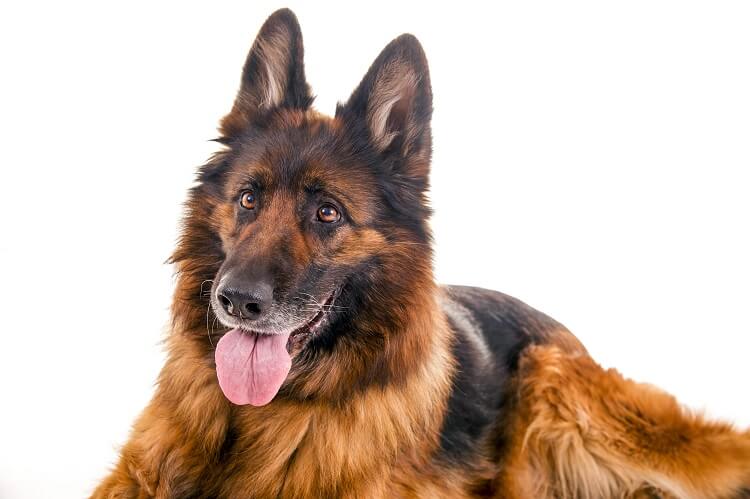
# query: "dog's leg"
175,438
143,460
585,432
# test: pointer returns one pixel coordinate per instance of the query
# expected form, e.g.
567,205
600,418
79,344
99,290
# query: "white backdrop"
591,158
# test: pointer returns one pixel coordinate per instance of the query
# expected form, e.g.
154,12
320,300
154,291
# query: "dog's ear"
394,105
273,75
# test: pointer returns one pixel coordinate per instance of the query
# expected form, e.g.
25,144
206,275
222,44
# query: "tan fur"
577,431
373,446
365,419
584,432
574,429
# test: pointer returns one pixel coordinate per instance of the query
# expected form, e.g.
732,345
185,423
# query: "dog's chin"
300,334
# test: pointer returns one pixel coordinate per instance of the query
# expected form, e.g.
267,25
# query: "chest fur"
350,452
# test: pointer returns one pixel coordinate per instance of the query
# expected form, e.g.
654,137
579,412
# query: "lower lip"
309,328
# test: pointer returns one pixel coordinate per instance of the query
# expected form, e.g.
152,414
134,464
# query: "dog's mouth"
252,365
300,336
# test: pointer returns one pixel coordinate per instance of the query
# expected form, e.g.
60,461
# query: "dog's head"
312,229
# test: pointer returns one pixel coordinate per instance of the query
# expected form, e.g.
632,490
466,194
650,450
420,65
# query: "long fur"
412,389
584,432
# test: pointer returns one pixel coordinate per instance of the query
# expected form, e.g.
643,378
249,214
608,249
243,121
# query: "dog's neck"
322,448
372,427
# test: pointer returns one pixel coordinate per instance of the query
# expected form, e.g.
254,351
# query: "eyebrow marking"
314,186
258,174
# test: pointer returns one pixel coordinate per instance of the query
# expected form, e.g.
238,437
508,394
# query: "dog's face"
311,223
298,214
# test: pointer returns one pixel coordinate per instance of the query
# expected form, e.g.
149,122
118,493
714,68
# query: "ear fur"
273,75
394,103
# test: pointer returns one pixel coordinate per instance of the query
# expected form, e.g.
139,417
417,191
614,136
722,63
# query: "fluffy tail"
586,432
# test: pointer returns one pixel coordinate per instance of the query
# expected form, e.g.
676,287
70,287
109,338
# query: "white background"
590,158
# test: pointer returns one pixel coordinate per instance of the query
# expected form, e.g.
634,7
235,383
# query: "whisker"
201,289
208,329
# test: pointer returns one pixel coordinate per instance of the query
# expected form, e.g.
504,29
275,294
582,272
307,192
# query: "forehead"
300,152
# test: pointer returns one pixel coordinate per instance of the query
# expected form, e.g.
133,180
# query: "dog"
340,368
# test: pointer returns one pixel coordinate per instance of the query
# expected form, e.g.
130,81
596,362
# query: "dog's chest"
322,453
300,453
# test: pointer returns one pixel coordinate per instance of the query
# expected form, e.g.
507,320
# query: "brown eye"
328,214
247,200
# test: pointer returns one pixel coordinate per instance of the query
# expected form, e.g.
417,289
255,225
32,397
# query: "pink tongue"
252,367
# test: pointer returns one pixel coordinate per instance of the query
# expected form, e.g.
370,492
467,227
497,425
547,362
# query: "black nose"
247,302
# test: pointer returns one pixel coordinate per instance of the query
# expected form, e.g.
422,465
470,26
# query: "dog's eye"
328,214
247,200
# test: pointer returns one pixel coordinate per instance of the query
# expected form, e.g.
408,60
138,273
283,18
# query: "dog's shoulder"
490,332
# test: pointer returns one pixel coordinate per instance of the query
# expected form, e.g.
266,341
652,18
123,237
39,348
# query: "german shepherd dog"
340,368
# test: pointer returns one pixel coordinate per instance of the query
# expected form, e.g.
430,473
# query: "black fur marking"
479,396
474,401
508,324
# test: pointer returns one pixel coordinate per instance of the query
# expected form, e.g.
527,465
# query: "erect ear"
273,75
394,103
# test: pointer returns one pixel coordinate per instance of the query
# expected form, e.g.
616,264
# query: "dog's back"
528,394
